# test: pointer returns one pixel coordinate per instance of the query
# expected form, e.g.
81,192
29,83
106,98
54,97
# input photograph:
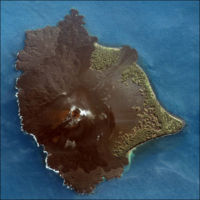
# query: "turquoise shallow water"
166,37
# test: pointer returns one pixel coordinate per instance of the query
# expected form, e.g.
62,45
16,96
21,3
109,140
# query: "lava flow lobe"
87,104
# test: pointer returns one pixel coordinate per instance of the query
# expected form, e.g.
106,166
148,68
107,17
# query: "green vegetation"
153,120
103,57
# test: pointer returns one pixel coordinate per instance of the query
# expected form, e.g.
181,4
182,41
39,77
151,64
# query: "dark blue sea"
166,35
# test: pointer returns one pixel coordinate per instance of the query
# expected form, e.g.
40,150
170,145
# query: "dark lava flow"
72,109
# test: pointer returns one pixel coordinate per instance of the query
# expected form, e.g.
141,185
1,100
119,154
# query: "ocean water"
166,35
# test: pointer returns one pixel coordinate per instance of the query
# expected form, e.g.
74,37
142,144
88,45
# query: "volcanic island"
88,105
